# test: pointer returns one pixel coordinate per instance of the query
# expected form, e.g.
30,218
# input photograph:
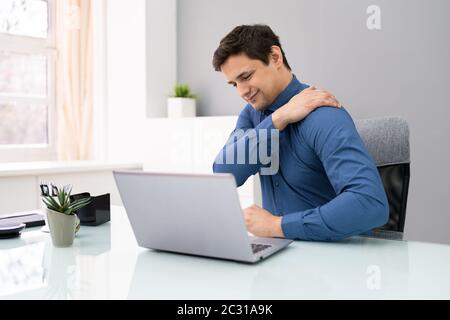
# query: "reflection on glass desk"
106,263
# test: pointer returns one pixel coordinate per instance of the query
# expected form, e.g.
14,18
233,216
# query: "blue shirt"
327,186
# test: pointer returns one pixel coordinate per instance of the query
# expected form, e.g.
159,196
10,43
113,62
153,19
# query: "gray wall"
402,69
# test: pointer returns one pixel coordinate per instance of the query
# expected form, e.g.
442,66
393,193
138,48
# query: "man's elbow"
216,168
224,168
220,168
380,213
218,165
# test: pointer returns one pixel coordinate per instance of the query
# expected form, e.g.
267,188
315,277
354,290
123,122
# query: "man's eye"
234,85
246,77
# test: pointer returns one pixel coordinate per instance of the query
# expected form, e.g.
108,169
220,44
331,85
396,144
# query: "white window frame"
47,47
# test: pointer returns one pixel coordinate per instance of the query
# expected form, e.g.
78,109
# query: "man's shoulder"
325,120
326,117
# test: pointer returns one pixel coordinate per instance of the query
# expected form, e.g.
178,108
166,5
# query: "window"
27,80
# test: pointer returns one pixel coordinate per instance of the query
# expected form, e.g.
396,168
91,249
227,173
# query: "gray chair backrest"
387,140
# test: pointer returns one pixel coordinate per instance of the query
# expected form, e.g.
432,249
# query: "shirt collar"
291,90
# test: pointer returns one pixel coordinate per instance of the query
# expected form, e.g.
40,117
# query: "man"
327,186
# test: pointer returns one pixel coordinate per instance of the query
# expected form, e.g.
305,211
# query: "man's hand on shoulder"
301,105
262,223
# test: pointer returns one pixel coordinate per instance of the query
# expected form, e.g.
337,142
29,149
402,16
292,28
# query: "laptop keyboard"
259,247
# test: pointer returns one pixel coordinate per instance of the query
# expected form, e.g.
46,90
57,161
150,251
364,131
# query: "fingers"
335,101
322,97
249,210
332,102
248,220
253,206
317,98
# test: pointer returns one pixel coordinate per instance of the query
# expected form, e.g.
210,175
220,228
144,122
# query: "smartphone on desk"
29,218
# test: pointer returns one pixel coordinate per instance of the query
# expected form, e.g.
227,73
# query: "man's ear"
276,56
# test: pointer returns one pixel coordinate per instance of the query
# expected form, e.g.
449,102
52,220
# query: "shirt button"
276,184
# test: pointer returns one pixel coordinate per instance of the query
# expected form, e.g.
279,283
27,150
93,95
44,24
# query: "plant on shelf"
183,91
61,215
182,103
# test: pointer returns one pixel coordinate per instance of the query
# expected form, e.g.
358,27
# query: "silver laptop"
191,214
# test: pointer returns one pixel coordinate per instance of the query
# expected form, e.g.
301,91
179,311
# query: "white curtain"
74,79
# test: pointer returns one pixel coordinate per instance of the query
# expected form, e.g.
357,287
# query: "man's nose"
243,90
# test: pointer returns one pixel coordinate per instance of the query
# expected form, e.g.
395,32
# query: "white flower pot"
62,228
181,107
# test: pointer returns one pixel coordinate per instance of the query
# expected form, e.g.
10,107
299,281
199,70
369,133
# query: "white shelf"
9,169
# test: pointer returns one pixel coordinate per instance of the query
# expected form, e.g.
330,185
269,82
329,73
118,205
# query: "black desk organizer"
97,212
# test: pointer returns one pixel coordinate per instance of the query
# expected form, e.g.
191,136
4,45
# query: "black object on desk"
10,230
97,212
30,220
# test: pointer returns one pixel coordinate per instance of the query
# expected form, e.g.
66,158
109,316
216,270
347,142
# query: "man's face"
256,83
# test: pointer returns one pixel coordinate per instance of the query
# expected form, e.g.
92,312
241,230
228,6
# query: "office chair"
387,140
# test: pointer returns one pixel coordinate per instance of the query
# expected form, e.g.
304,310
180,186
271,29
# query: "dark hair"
255,41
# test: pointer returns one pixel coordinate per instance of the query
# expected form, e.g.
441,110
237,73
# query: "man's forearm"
235,155
279,119
346,215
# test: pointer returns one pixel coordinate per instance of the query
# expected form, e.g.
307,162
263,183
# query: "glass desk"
106,263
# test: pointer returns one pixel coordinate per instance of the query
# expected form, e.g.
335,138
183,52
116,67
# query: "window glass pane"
23,123
23,74
24,17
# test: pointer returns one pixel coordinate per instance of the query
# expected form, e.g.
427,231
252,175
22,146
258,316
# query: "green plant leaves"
77,204
182,91
62,203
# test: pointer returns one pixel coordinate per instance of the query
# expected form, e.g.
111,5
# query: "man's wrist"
277,229
279,120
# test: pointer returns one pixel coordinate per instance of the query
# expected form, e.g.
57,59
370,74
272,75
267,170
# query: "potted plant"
61,215
182,103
